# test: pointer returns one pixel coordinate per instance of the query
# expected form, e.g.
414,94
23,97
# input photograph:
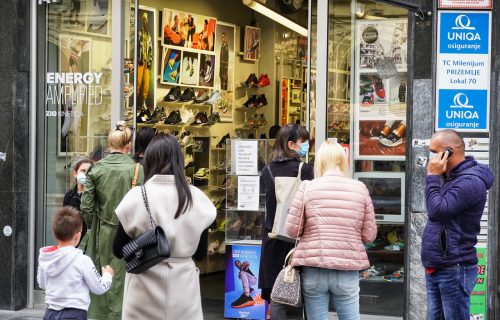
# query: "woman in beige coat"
338,218
171,289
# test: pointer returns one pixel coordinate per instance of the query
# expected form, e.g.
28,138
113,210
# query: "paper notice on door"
248,193
246,153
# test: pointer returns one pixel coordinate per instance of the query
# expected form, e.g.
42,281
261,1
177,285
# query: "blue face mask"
304,149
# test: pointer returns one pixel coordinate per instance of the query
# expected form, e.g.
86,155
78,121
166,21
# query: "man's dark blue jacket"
455,207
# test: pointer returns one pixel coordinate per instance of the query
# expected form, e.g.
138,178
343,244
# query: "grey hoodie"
67,276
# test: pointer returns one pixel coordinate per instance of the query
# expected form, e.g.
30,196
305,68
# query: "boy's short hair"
66,222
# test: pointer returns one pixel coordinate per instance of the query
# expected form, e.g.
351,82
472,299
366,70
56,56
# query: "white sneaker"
187,115
213,246
96,18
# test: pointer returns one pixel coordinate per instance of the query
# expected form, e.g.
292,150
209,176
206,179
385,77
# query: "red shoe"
378,85
263,81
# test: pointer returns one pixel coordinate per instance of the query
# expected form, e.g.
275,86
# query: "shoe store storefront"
226,73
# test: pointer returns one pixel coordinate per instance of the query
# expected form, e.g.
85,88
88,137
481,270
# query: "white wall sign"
248,193
463,71
245,155
466,4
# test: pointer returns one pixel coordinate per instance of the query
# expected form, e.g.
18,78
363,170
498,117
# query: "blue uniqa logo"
464,33
462,109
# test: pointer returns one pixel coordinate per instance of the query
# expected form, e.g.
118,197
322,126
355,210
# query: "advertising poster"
463,71
172,65
478,296
224,69
252,44
187,30
146,59
97,15
207,66
242,296
381,139
73,97
190,62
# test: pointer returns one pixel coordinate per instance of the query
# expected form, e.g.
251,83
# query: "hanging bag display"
148,249
285,189
287,287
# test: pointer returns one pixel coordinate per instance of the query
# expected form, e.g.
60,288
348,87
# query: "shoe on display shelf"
226,184
158,115
188,161
222,142
253,122
371,272
184,137
144,116
202,174
214,98
262,121
187,115
252,102
189,142
397,275
222,250
263,136
213,246
251,136
252,80
200,118
222,165
213,119
263,81
201,96
236,225
173,95
242,302
261,101
188,95
173,118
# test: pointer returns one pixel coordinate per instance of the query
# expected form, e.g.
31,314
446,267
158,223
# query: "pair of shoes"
173,95
213,119
226,184
212,247
395,138
173,118
185,138
398,275
202,174
200,118
252,80
222,142
242,302
371,272
257,122
263,81
256,101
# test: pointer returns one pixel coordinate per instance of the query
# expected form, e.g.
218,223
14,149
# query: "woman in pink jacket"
338,219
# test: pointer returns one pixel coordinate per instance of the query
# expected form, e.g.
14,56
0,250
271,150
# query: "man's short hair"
452,137
66,222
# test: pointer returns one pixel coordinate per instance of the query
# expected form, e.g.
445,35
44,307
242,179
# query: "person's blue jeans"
319,285
448,292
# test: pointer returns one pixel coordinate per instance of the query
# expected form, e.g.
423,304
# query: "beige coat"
171,289
339,218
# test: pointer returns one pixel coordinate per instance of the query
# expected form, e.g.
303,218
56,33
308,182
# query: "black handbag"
148,249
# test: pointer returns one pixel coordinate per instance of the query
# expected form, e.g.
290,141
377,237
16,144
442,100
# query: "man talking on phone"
455,191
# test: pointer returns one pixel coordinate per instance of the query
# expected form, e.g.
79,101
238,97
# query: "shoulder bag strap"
290,254
269,170
299,174
146,203
136,174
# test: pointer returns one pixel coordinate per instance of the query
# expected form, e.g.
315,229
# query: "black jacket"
72,199
274,251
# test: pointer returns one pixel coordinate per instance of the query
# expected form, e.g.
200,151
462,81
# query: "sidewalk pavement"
36,314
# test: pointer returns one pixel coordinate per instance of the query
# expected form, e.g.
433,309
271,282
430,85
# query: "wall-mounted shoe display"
263,81
252,80
202,174
213,119
173,118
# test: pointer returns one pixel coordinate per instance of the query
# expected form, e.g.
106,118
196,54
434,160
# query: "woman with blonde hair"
338,219
108,180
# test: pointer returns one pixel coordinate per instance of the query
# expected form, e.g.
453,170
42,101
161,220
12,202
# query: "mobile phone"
450,152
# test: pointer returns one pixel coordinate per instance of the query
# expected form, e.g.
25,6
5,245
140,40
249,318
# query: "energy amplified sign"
463,71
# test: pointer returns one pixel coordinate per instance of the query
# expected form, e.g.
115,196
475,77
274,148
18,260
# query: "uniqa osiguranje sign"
463,71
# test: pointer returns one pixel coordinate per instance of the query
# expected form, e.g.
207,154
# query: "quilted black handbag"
148,249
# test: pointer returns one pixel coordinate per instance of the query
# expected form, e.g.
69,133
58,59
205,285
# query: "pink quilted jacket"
339,218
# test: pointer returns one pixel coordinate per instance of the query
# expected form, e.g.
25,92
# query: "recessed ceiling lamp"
273,15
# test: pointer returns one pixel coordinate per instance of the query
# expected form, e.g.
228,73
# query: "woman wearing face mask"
290,146
108,180
72,197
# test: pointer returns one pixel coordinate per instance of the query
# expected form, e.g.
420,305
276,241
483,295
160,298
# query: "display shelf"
177,104
250,109
339,100
380,279
218,149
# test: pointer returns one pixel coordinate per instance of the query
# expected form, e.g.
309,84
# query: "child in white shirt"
66,274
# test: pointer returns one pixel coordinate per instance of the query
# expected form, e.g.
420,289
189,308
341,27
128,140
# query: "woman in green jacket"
107,182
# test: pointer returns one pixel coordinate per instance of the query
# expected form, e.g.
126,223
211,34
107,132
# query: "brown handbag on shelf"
287,287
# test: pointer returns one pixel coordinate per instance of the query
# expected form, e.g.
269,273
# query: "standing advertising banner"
463,71
242,296
478,295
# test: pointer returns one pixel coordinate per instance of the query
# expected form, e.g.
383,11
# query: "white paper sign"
248,193
466,4
245,154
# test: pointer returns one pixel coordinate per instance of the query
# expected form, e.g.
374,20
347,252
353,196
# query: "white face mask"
81,178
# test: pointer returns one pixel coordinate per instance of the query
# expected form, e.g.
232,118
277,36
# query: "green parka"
107,182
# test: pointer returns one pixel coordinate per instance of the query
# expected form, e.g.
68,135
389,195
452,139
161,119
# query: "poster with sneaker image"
379,98
171,65
190,68
71,13
242,296
380,140
188,30
207,68
224,69
97,16
381,40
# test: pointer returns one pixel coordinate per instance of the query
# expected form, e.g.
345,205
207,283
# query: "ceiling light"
273,15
